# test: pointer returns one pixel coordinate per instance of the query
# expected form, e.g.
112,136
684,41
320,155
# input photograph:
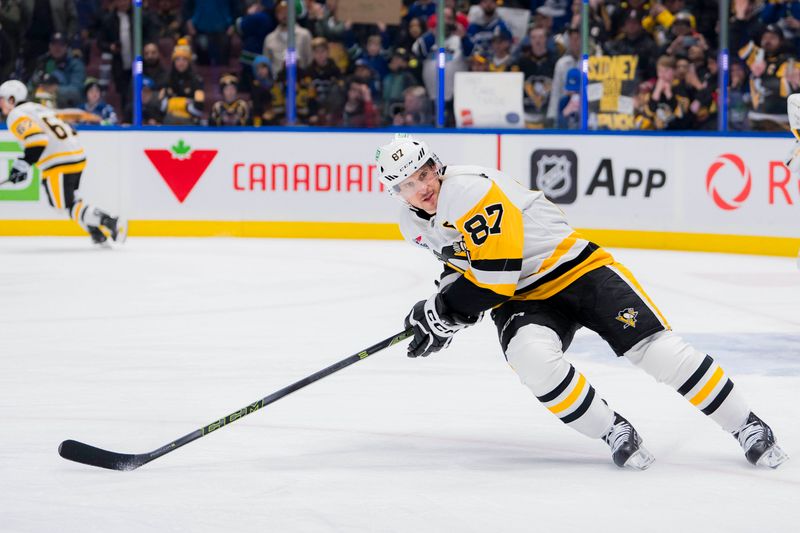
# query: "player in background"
508,249
52,145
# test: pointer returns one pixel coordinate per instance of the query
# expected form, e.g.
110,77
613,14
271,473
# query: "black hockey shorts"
61,187
607,300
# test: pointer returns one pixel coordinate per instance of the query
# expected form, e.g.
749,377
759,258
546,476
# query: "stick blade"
79,452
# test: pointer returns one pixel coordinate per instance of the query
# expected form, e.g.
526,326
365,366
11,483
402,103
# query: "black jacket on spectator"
110,35
671,113
644,47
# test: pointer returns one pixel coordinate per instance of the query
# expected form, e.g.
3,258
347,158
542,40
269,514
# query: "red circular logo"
734,161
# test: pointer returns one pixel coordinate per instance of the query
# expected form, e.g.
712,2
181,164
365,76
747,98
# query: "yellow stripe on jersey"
545,290
54,186
39,140
60,154
67,168
562,248
494,236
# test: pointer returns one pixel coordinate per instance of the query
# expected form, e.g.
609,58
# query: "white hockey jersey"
502,236
35,125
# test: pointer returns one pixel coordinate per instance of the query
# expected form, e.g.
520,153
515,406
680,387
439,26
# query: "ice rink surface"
129,349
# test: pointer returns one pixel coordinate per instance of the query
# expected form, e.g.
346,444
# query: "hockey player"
508,249
52,145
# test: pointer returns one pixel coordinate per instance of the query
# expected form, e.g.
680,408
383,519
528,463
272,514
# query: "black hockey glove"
433,326
19,171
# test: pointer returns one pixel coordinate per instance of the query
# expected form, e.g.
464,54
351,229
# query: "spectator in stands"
7,56
557,11
421,9
359,110
183,97
483,19
739,98
619,15
459,47
538,66
701,81
325,80
209,23
363,73
152,115
641,106
635,41
152,65
668,104
45,91
253,28
89,14
569,60
168,14
746,25
569,105
410,33
769,85
684,36
68,71
395,83
417,108
116,38
11,35
478,62
95,104
375,55
500,58
326,24
659,21
41,20
261,92
231,110
276,43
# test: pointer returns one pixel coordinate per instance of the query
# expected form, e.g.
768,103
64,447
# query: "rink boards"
730,194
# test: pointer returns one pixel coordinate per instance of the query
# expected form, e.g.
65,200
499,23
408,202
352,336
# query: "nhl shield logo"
628,317
555,173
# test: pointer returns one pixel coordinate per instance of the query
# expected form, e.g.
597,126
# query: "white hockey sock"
695,375
535,354
85,215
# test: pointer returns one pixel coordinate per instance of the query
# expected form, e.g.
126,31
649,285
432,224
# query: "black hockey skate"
98,237
758,443
626,445
115,229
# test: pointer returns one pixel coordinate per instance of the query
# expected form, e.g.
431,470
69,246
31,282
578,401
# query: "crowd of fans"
221,62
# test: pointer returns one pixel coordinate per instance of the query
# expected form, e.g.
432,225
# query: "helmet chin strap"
421,213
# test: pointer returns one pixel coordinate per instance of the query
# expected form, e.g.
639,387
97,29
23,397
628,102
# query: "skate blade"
773,458
122,232
641,459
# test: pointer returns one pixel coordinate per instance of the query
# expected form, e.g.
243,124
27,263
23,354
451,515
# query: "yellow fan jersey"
502,236
35,125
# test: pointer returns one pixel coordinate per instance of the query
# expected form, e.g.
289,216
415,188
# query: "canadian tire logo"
181,167
725,169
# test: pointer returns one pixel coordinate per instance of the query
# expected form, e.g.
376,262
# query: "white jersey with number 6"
35,125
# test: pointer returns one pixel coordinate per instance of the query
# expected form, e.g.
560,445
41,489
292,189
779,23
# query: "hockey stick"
89,455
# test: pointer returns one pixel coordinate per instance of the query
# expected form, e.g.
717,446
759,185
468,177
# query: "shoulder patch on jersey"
22,125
